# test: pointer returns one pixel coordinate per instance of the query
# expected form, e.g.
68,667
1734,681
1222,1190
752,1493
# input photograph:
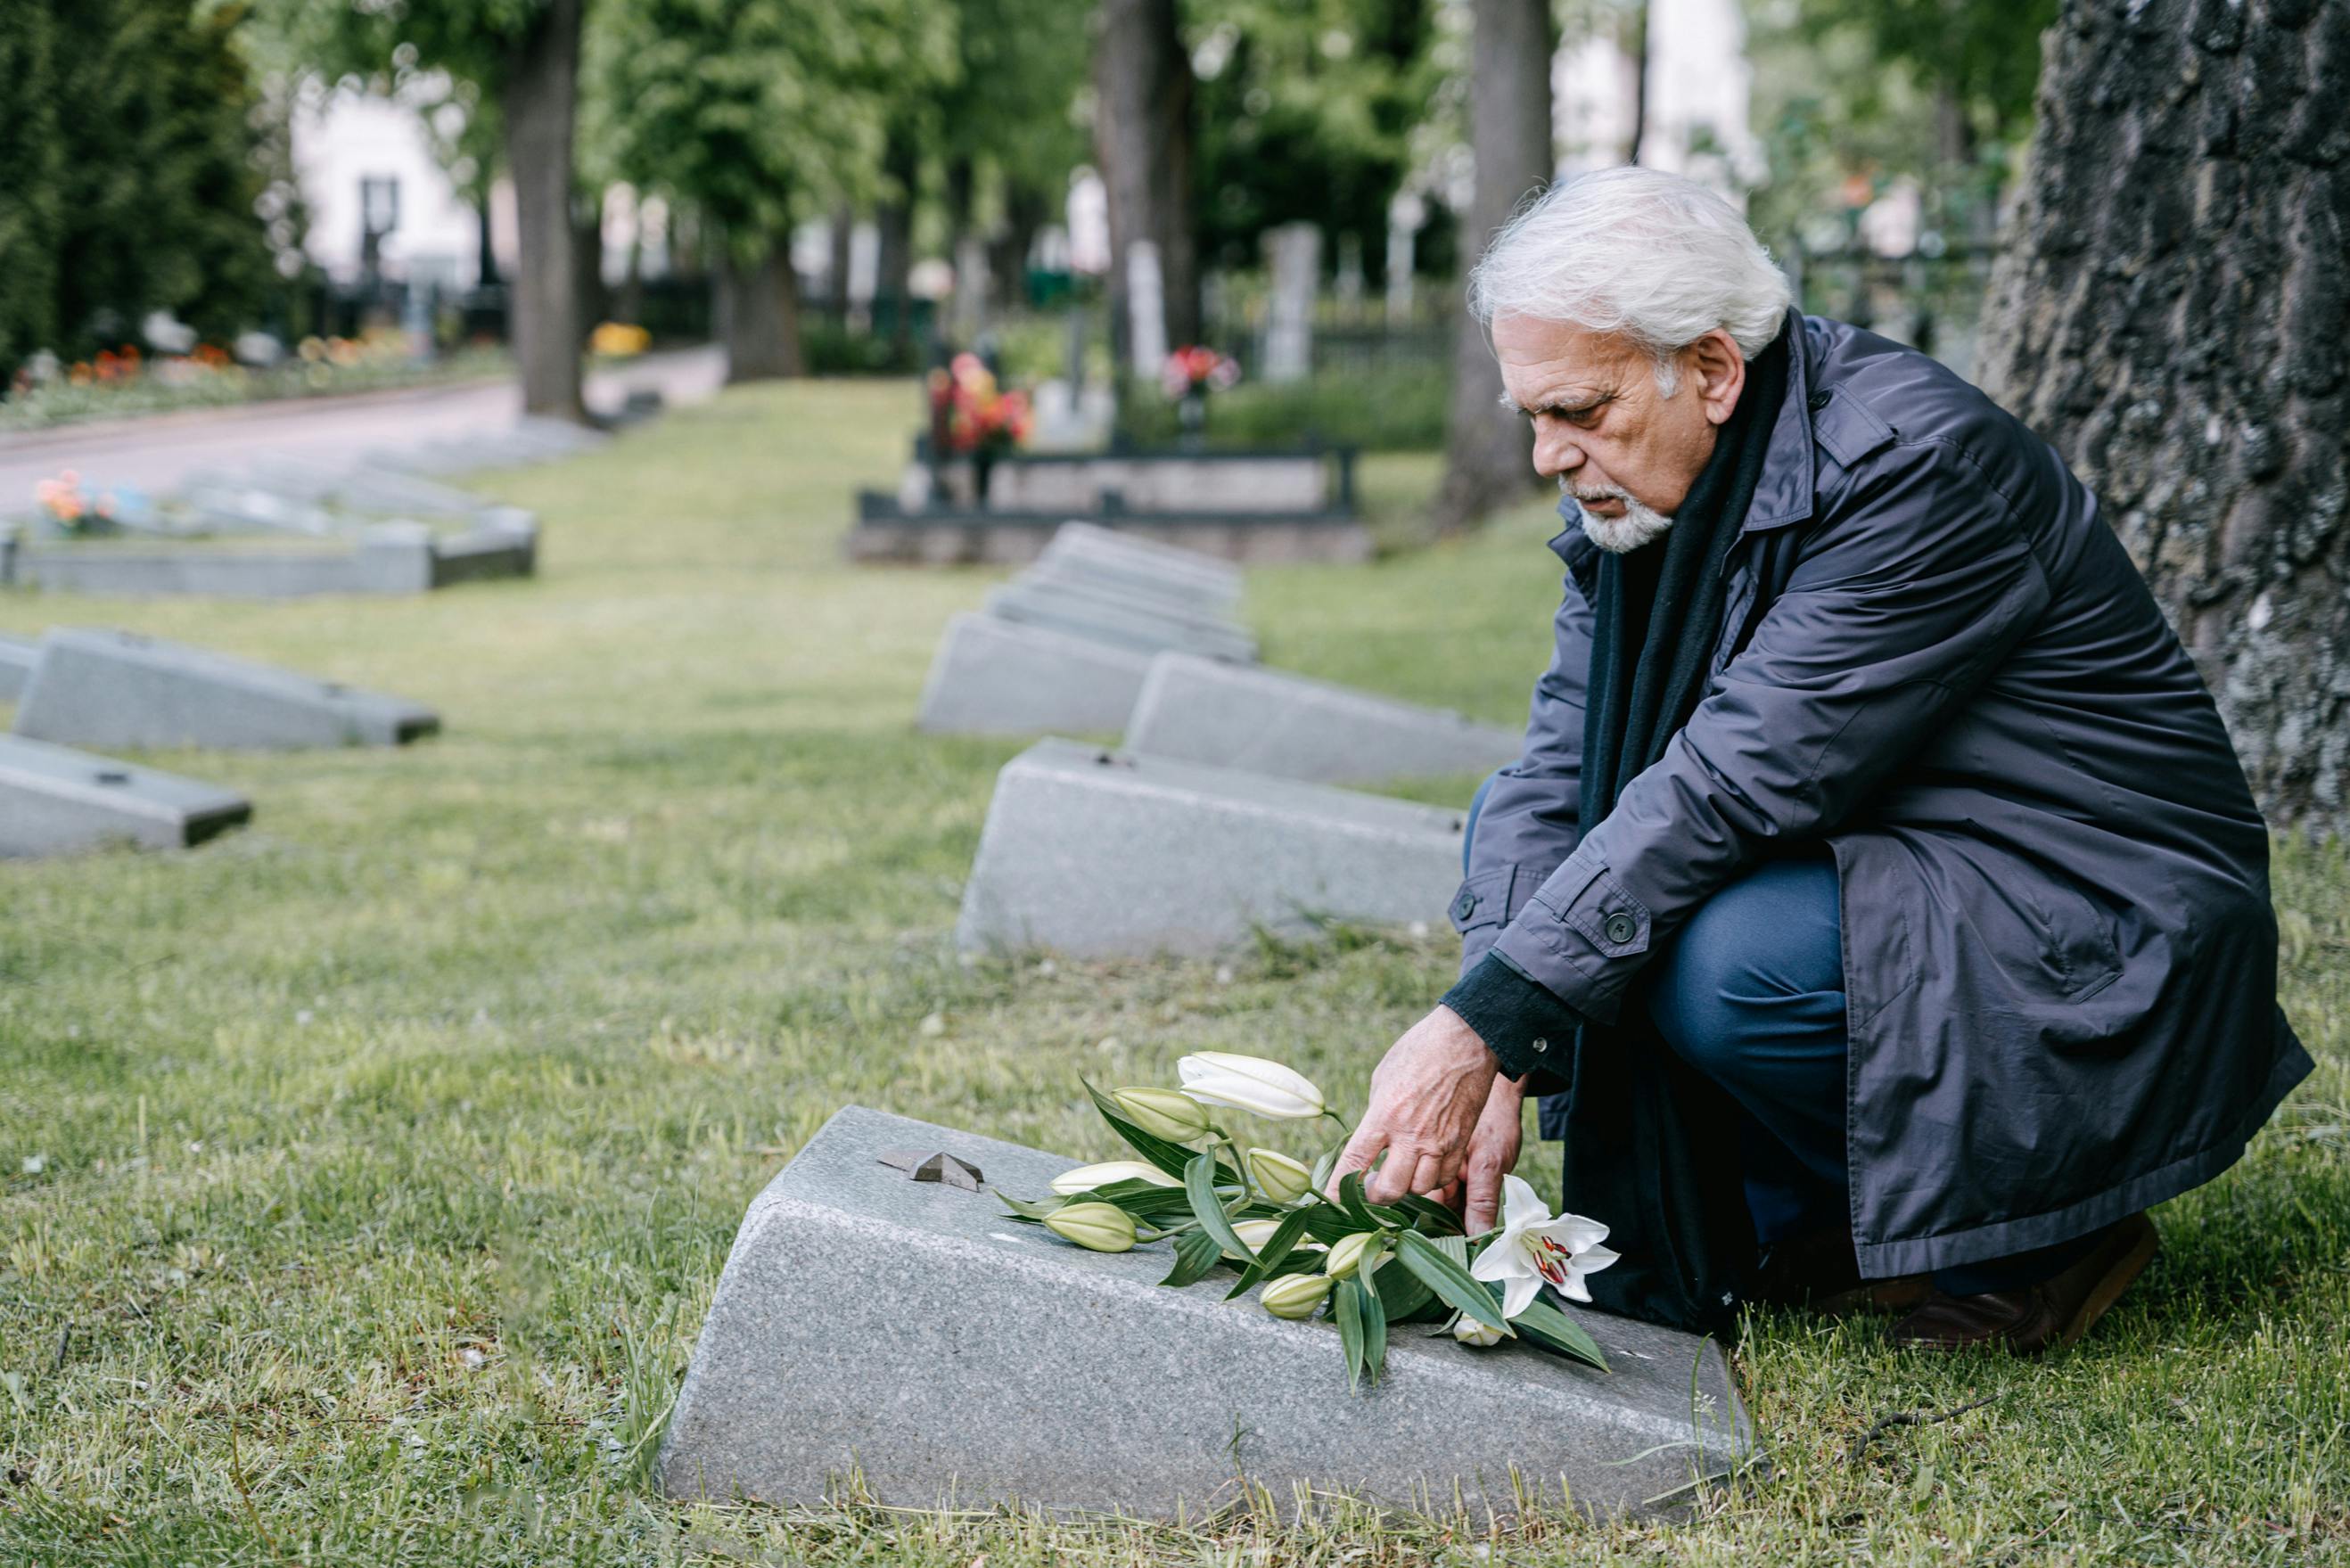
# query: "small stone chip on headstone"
56,800
917,1335
1097,853
114,689
1271,722
991,677
1119,621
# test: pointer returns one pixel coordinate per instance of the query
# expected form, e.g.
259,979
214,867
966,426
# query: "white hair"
1655,256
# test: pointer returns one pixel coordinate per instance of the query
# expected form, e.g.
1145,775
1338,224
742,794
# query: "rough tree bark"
542,95
759,315
2171,314
894,257
1142,139
1487,450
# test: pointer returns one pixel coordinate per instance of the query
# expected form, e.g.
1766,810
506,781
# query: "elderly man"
1877,903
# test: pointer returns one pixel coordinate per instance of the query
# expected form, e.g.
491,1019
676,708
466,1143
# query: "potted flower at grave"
1188,377
69,511
977,418
1221,1202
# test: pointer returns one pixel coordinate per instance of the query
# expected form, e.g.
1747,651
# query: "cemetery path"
157,453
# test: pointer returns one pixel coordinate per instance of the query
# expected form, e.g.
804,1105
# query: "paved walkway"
155,454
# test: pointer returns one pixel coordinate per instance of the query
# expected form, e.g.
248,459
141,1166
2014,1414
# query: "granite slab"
121,690
55,800
1272,722
993,676
1097,853
1119,620
914,1334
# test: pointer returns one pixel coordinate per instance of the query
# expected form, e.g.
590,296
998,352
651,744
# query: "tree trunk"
759,315
587,254
838,232
1638,29
1026,213
2169,313
1487,449
894,257
541,99
1142,137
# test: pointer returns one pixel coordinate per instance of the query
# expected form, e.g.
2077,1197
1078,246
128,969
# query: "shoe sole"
2144,1241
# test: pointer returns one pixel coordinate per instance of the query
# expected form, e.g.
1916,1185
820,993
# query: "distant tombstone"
1406,213
1117,620
18,658
991,677
1271,722
229,506
973,1361
1146,309
119,689
1113,551
1294,253
58,800
1098,853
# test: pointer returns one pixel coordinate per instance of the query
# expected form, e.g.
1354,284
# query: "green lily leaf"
1346,1307
1170,1157
1554,1330
1357,1207
1273,1253
1450,1278
1407,1299
1375,1330
1200,1181
1196,1252
1429,1216
1023,1209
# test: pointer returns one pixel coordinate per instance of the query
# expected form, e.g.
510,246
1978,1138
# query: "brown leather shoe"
2046,1317
1820,1271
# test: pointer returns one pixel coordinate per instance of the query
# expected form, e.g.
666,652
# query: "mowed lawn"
368,1172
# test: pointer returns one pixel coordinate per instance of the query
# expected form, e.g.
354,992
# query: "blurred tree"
1143,140
129,151
760,113
1008,125
521,56
1487,449
2170,315
1306,114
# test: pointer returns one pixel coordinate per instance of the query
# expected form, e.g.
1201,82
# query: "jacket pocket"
1484,900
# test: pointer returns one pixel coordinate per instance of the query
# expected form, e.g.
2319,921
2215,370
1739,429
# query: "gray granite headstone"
1120,620
1097,853
56,800
991,677
912,1332
120,690
1123,555
1271,722
19,657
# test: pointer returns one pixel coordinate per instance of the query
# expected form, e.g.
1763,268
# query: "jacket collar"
1783,492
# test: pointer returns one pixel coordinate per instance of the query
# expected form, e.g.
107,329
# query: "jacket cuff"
1526,1028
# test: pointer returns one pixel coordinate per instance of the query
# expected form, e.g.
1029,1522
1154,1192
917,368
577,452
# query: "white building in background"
368,160
1699,83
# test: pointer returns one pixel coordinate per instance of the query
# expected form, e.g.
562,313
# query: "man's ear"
1719,370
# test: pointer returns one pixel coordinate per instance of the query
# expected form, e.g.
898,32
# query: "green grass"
368,1172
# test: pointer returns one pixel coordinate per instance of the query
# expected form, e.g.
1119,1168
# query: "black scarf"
1651,1146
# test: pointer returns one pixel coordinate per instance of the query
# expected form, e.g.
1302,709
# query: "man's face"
1601,428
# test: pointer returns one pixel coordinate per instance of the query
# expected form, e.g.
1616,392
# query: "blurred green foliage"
1393,410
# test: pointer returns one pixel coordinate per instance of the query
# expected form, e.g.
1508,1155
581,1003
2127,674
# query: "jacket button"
1621,928
1541,1046
1464,905
1819,401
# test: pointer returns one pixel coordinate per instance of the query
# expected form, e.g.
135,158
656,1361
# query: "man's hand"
1428,1095
1492,1154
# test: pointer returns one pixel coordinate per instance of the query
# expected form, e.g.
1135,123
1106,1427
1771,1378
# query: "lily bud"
1294,1296
1085,1178
1347,1254
1163,1113
1096,1227
1278,1177
1257,1232
1468,1331
1250,1084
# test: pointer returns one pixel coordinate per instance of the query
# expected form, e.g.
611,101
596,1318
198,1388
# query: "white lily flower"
1250,1084
1468,1331
1085,1178
1534,1247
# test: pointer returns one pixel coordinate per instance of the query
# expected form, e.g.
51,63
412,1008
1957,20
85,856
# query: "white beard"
1638,526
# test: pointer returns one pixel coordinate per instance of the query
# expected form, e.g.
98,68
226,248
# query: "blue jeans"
1749,992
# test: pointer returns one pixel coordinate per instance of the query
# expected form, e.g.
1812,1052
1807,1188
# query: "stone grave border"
387,558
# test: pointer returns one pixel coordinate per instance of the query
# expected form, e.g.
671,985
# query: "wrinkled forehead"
1547,362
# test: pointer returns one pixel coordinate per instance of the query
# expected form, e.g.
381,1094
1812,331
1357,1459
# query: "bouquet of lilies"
1219,1203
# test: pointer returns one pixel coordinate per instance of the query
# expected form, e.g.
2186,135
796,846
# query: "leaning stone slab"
56,800
1271,722
120,690
992,677
1120,620
1111,553
912,1332
399,558
1174,599
1097,853
19,658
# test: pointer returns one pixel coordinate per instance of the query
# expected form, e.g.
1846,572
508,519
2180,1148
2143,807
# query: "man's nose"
1555,455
